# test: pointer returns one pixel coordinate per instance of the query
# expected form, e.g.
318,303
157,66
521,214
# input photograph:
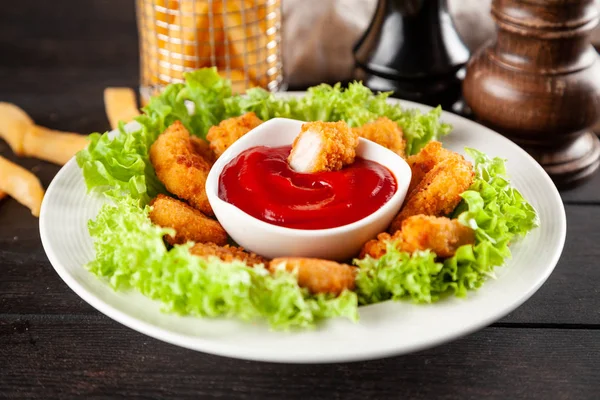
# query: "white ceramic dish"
273,241
385,329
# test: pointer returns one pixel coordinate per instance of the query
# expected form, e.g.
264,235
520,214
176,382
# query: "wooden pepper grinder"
538,83
412,48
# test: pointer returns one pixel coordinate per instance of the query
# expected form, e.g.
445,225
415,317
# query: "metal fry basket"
242,38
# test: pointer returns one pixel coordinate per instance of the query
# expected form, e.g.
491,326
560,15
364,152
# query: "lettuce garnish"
498,213
130,252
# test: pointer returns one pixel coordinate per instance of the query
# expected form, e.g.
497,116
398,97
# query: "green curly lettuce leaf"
356,105
131,254
492,207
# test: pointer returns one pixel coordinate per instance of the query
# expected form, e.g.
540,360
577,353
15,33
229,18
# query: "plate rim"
233,351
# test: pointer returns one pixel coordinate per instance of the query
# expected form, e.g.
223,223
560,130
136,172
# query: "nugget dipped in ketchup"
323,146
334,186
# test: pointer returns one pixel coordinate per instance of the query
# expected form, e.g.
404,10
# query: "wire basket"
242,38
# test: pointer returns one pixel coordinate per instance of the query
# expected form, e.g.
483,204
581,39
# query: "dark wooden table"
55,60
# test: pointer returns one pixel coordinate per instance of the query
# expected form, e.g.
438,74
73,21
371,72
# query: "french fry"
120,105
248,39
153,24
238,81
189,46
14,122
54,146
21,185
27,139
235,36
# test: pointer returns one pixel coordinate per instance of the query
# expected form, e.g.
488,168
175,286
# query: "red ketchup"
260,182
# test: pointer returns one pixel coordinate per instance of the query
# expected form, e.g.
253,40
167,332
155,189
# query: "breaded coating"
228,131
227,253
424,161
180,168
202,147
441,235
376,248
189,223
323,146
318,276
439,191
384,132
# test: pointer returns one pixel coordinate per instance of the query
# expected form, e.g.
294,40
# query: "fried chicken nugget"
228,131
202,147
323,146
180,168
227,253
384,132
424,161
377,247
318,276
439,191
441,235
189,223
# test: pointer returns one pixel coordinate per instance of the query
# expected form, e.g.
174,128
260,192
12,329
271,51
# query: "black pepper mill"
412,48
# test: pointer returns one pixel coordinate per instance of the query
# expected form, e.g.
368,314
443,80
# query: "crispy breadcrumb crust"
338,145
227,253
421,163
189,223
384,132
439,192
202,147
318,276
180,168
228,131
441,235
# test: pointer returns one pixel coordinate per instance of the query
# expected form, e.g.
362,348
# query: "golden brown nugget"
377,247
318,276
227,253
441,235
439,191
424,161
189,223
180,168
384,132
21,185
202,147
323,146
228,131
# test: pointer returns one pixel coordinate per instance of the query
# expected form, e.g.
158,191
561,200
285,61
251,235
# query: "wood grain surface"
91,356
538,83
56,58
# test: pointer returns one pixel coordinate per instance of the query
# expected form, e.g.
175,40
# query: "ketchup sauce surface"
260,182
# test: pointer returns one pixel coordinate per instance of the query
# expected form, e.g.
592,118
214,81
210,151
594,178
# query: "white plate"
385,329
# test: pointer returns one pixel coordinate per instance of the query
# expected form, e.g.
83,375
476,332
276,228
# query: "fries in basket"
240,38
